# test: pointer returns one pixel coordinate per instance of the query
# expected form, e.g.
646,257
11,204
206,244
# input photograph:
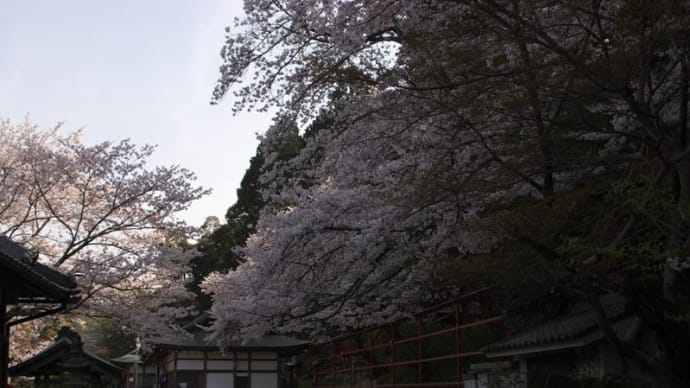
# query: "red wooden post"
352,356
4,340
371,358
458,319
393,353
333,362
420,356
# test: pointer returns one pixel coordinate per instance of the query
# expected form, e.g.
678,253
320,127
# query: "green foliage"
219,243
22,382
108,338
639,195
216,255
219,240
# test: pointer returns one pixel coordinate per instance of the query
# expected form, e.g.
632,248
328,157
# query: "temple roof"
575,329
198,341
23,279
195,338
66,354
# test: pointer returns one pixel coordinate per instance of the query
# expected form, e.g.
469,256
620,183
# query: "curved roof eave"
52,284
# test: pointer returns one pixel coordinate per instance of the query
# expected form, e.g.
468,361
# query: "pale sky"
138,69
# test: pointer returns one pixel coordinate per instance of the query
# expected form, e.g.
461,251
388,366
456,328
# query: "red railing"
432,349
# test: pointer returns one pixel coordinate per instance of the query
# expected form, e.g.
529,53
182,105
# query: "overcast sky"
138,69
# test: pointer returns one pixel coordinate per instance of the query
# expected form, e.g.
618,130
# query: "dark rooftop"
66,354
574,329
25,279
195,338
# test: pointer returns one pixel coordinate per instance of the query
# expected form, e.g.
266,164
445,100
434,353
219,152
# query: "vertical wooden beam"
158,370
370,351
173,376
458,320
250,367
393,339
94,380
334,360
205,369
143,370
4,340
352,361
420,356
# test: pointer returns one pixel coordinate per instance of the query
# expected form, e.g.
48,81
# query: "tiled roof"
575,328
132,357
198,341
67,349
39,280
195,338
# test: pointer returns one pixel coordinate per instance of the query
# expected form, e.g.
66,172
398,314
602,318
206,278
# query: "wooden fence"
435,348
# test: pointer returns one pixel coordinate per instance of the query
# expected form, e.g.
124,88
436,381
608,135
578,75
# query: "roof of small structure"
133,357
66,354
575,329
195,338
23,279
197,341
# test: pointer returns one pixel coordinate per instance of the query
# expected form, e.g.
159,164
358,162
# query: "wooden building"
24,281
572,348
66,363
190,361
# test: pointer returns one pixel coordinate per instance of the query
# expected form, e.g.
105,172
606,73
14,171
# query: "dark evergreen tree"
218,244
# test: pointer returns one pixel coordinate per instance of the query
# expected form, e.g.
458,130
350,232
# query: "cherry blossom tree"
301,49
460,128
101,214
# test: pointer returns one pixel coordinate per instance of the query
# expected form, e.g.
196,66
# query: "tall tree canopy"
219,243
101,214
463,130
